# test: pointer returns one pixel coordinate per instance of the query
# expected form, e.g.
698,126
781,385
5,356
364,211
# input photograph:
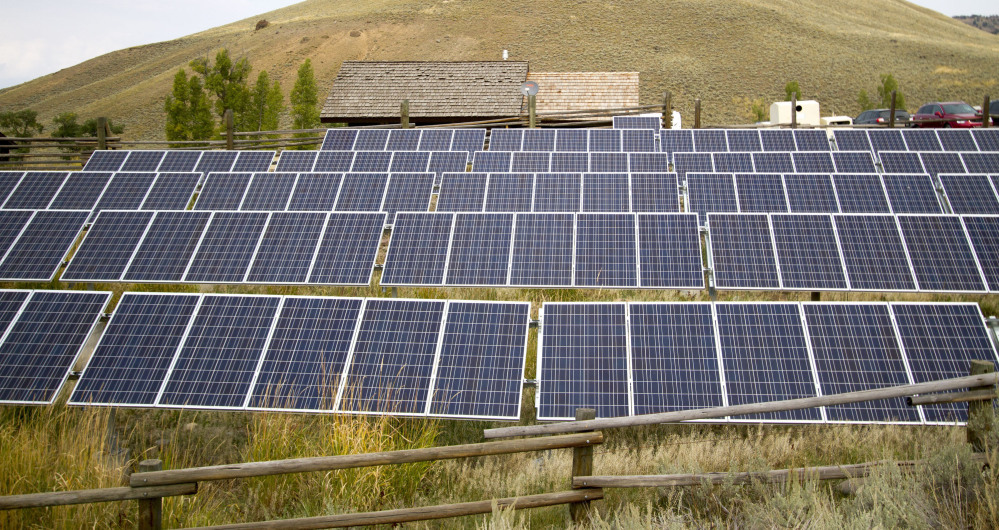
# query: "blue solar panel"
167,247
12,223
506,139
108,246
43,343
371,140
446,162
711,192
216,364
733,162
673,357
654,192
911,194
970,194
334,161
408,192
980,162
811,140
852,140
940,341
480,249
982,232
126,191
362,192
392,359
542,250
648,163
491,162
901,162
539,140
956,140
710,141
183,161
570,163
105,160
462,192
807,253
637,122
469,140
268,192
676,141
609,163
808,193
481,369
436,140
773,163
223,191
339,140
171,191
637,141
287,248
143,161
81,191
886,140
986,139
765,358
315,192
369,162
403,140
854,162
742,251
605,250
43,245
10,179
11,303
530,162
941,256
509,192
777,140
346,254
36,190
296,161
855,348
226,247
669,251
606,192
305,356
921,140
216,161
410,161
813,162
936,163
571,140
861,194
135,351
418,251
692,163
744,140
873,252
604,140
583,360
761,192
557,192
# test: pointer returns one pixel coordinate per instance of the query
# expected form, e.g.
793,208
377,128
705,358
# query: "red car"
947,114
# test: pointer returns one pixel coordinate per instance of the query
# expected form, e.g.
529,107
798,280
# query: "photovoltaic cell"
685,163
981,234
296,161
606,192
605,250
105,160
506,139
530,162
409,161
583,360
539,140
287,248
339,140
143,161
638,141
36,190
711,192
901,162
346,254
861,193
911,194
542,250
777,140
956,140
811,140
557,192
773,162
733,162
852,140
936,163
571,140
408,192
813,162
921,140
743,140
43,245
491,162
362,192
742,251
216,161
808,193
970,194
403,140
180,161
609,162
223,191
315,192
980,162
462,192
654,192
648,163
226,248
436,140
369,162
807,252
761,192
418,250
268,192
334,161
371,140
886,140
940,254
167,247
873,252
669,251
81,191
509,192
570,163
676,141
108,246
604,140
854,162
171,191
480,249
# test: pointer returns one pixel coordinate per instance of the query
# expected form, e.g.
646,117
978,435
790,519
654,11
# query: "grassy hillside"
694,48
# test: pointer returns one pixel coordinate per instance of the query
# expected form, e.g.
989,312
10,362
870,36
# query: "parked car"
994,109
947,114
869,117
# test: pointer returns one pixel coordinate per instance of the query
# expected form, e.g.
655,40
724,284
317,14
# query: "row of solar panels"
342,139
436,162
180,161
637,122
639,358
937,163
82,190
574,140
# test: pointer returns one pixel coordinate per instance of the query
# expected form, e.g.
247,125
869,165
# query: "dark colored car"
947,114
875,116
994,109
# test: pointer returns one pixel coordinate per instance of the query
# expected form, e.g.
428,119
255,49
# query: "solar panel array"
311,354
465,140
774,162
638,122
179,161
877,140
436,162
748,140
633,358
568,162
631,140
83,190
35,243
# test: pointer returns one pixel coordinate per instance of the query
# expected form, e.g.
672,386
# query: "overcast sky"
44,37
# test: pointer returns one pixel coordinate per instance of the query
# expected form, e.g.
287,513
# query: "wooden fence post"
404,113
980,413
151,510
532,110
794,110
102,139
697,113
229,138
667,111
582,466
891,111
985,111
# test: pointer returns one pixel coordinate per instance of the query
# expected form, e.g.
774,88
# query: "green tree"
20,123
266,105
68,126
792,88
888,84
189,115
305,99
864,101
227,81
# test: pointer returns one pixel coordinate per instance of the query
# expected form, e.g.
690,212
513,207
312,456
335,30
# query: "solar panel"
418,250
654,192
980,162
219,356
733,162
436,140
854,162
811,140
810,193
807,253
676,141
542,250
408,192
43,245
491,162
921,140
711,192
956,140
369,162
874,254
692,163
506,139
462,192
296,161
371,140
648,163
742,251
305,357
403,140
126,191
813,162
480,249
480,372
143,161
570,163
852,140
334,161
268,192
180,161
539,140
638,141
744,140
637,122
10,179
765,357
861,193
226,247
409,161
108,246
940,254
911,194
287,248
81,191
339,140
43,343
362,192
167,247
583,360
509,192
556,192
609,162
223,191
761,192
445,162
710,141
315,192
391,363
12,223
777,140
986,139
673,357
901,162
970,194
171,191
530,162
886,140
606,192
346,254
571,140
106,160
936,163
469,140
940,341
36,190
773,163
605,250
669,251
855,349
216,161
981,233
604,140
130,362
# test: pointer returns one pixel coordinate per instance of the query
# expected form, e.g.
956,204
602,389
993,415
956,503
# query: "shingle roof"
567,91
369,90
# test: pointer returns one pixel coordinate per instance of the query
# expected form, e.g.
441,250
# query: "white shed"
808,113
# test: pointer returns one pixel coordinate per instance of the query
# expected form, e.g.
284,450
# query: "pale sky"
44,37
